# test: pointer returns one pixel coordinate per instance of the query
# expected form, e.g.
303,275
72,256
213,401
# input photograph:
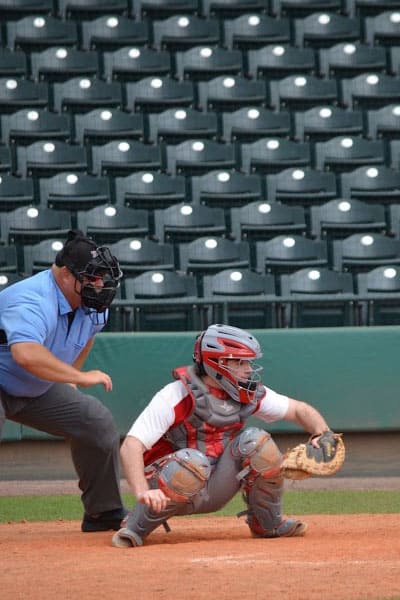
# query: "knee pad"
183,474
260,455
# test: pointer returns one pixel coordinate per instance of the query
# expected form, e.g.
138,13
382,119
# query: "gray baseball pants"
222,485
89,428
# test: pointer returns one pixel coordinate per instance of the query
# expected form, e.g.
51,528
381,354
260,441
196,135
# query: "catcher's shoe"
111,519
126,538
288,528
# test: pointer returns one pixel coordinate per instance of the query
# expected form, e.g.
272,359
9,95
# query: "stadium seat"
303,8
80,10
394,154
178,124
59,64
137,255
302,92
384,122
318,297
40,256
156,94
119,158
134,63
208,255
242,298
379,295
226,189
263,220
150,190
29,225
230,93
277,62
394,220
194,157
162,9
181,32
108,223
271,155
203,63
248,32
344,153
289,253
394,60
186,222
323,29
162,301
29,125
101,125
250,124
8,258
348,60
369,91
13,10
46,158
7,279
5,159
383,29
366,8
13,63
229,9
361,252
340,218
18,94
108,33
15,192
324,122
369,183
82,94
35,33
301,186
74,191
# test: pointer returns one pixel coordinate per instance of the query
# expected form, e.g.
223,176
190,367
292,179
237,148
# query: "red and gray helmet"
219,342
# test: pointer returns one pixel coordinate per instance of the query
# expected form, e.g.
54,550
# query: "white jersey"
169,407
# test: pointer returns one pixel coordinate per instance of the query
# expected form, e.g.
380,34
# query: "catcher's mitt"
306,461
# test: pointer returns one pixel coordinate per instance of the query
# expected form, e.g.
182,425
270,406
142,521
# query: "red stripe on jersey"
163,447
183,410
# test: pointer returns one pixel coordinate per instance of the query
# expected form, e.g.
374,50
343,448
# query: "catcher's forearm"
133,465
309,418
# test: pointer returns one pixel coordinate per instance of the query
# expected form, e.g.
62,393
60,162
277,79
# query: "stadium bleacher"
241,157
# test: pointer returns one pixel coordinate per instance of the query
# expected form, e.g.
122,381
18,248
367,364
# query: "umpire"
47,326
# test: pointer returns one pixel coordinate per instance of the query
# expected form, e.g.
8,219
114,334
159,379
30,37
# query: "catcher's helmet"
220,342
88,262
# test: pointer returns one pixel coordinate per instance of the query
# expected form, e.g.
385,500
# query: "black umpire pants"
90,429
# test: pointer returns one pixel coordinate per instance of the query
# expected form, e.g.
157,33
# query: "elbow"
22,355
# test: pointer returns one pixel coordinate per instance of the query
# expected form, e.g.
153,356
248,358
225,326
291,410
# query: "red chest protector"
213,421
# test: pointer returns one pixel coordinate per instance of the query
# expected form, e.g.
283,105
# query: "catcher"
189,452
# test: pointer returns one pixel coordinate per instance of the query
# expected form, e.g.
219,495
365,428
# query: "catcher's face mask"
227,355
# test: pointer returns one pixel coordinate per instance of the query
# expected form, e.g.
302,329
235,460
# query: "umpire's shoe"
111,519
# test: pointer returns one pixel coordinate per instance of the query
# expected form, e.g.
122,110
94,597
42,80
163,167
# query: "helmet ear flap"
197,356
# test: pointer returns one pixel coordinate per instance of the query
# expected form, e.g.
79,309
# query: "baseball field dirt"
340,558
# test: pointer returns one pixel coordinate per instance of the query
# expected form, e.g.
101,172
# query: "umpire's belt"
3,337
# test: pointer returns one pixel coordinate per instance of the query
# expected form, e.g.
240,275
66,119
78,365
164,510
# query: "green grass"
68,507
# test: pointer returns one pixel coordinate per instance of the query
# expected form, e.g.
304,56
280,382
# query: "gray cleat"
126,538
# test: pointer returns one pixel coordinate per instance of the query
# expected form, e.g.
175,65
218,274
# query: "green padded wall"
351,375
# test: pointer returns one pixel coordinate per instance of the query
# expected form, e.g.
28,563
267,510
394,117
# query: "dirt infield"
340,558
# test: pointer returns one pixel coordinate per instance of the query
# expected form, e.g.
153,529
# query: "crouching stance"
189,451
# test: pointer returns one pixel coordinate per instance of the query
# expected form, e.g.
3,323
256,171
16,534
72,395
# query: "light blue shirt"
35,310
